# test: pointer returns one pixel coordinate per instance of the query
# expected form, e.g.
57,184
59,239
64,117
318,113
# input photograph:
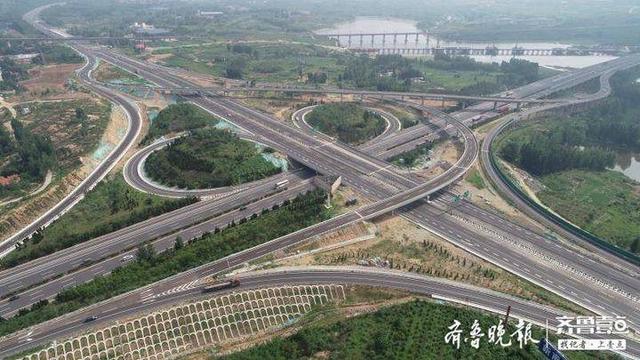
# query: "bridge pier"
495,105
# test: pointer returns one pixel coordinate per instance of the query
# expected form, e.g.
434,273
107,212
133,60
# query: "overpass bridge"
490,51
262,90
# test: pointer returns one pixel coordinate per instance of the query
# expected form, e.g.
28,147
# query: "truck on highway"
504,109
221,286
281,185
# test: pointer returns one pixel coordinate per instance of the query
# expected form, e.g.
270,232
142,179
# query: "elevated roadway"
354,165
378,193
520,200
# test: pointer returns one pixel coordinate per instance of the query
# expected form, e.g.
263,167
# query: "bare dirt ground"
49,77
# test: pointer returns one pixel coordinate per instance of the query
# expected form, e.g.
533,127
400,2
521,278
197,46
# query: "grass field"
476,180
455,80
605,203
264,62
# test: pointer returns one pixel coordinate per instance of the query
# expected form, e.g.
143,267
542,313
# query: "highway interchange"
595,280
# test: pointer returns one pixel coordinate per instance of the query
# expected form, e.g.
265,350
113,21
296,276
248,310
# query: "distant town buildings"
21,58
147,29
209,14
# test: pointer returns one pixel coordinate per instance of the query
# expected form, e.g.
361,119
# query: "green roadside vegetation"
177,118
259,61
106,72
75,126
570,156
408,116
410,158
48,137
150,267
476,179
112,205
604,203
413,330
26,158
208,158
349,122
13,72
459,74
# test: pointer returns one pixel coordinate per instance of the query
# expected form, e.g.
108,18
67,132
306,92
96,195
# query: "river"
628,164
389,25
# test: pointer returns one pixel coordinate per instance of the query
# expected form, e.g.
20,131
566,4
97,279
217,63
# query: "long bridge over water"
410,43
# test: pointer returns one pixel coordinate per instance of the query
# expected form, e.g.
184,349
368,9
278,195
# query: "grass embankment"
349,122
176,118
208,158
262,62
414,330
570,156
301,212
476,179
112,205
106,72
603,203
410,158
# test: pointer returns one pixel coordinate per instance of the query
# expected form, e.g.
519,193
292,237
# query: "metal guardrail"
575,230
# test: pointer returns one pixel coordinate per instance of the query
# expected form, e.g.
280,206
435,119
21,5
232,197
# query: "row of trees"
302,212
544,156
581,142
350,122
111,206
208,158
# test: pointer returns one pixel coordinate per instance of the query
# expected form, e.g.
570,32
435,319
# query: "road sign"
549,351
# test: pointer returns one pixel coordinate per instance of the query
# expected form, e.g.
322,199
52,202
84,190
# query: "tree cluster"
35,153
177,118
350,122
208,158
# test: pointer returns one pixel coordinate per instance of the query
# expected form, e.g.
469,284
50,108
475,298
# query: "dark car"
14,298
91,318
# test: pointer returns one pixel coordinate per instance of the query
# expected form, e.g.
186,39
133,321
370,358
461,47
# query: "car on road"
91,318
127,258
14,298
